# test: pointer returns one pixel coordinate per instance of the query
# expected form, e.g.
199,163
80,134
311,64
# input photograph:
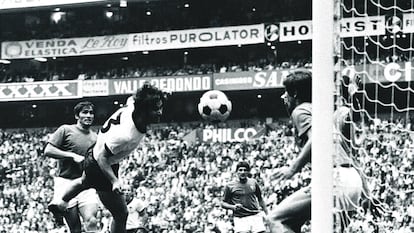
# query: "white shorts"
253,223
347,188
86,197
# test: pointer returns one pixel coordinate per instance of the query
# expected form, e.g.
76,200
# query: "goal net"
376,43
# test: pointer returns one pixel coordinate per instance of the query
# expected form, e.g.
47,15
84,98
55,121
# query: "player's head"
298,88
84,113
149,101
243,169
128,192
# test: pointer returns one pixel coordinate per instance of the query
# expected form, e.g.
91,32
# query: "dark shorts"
95,178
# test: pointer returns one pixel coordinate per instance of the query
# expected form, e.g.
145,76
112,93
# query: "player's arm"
260,199
226,201
103,161
143,214
52,149
56,153
303,158
304,155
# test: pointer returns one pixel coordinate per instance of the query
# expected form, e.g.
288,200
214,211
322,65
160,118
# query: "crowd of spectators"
182,181
74,73
144,16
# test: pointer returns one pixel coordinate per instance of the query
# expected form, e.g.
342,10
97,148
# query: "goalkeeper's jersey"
342,135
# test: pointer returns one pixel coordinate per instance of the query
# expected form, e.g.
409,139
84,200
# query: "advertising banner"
349,27
64,47
249,80
362,26
40,91
381,72
99,87
13,4
230,134
407,23
170,83
208,37
295,30
196,38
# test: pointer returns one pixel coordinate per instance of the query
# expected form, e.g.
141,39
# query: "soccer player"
295,210
69,144
119,136
244,197
349,184
137,212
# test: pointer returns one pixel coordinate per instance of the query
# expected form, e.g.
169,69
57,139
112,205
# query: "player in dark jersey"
244,197
119,136
295,210
69,144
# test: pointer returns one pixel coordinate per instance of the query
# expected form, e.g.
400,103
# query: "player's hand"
77,158
283,173
355,84
238,206
117,187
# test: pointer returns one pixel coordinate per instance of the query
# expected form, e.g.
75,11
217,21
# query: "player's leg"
292,212
347,190
91,175
257,224
72,218
117,206
58,186
75,186
88,205
241,225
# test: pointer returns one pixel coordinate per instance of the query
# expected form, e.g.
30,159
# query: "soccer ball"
214,106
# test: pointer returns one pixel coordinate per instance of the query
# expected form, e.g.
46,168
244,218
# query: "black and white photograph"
206,116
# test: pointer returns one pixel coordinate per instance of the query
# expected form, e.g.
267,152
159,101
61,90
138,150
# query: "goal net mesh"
376,43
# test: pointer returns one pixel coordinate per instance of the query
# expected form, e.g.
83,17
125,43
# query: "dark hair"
243,164
299,83
148,95
79,106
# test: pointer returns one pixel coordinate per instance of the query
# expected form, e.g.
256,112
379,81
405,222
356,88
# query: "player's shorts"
86,197
347,188
252,223
95,178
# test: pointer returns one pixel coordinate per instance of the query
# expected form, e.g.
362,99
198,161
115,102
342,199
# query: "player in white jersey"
119,136
137,211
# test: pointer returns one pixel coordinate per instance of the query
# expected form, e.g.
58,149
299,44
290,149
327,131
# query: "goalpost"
322,114
377,44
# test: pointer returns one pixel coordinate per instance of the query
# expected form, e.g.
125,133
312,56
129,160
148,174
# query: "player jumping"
295,210
119,136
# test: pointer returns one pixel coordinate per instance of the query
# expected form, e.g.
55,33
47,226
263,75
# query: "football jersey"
134,220
245,194
74,139
118,135
302,119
